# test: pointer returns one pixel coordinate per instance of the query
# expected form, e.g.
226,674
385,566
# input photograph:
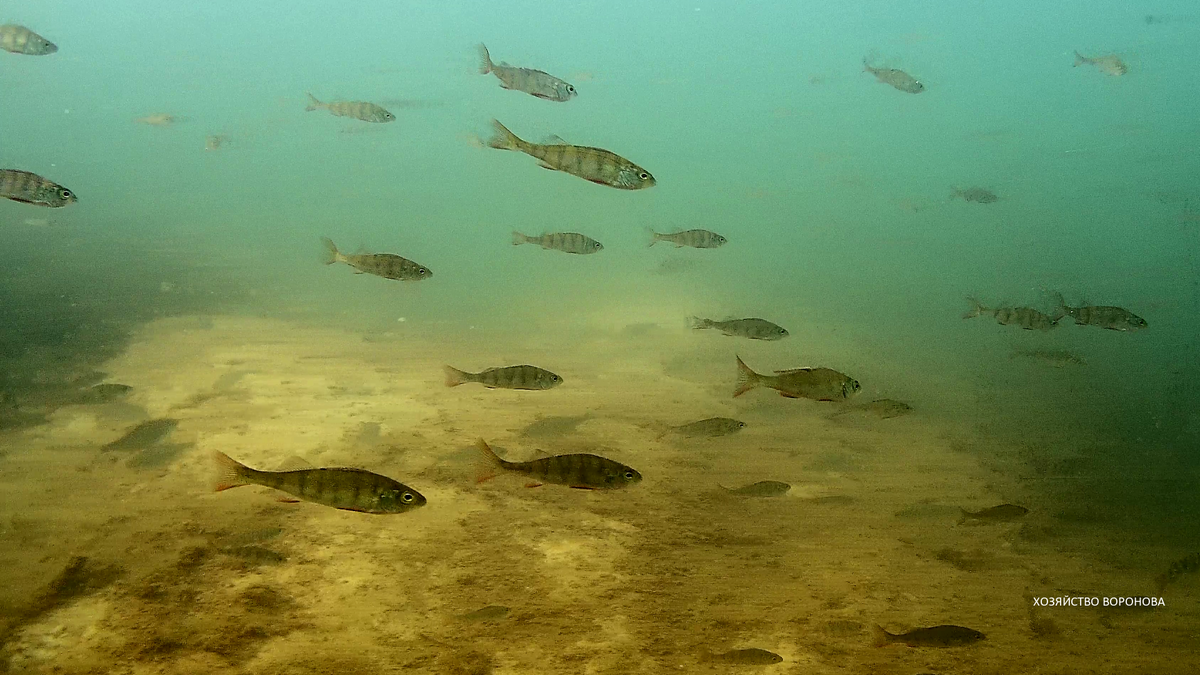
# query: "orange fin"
533,485
229,472
288,500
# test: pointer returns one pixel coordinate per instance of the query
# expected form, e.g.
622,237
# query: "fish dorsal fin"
554,139
541,454
793,370
295,463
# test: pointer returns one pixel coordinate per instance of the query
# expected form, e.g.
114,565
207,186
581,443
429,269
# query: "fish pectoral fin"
359,272
597,181
502,85
533,485
287,500
546,166
541,96
582,487
789,395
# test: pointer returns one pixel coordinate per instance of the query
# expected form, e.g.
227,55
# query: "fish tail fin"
230,472
504,139
879,636
313,103
519,238
654,236
1080,59
491,462
485,60
455,377
1060,309
976,308
696,323
746,379
331,254
963,516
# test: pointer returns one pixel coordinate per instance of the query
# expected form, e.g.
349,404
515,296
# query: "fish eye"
422,271
65,194
407,498
644,176
598,245
571,89
628,475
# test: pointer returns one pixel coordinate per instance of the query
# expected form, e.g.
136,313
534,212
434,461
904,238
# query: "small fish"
819,384
1054,357
746,657
533,82
341,488
21,40
103,393
976,194
583,471
556,425
709,428
359,110
251,537
1025,317
255,555
936,636
1103,316
30,188
1109,64
489,613
567,242
763,488
1186,565
691,238
884,408
509,377
158,120
143,435
755,329
592,164
896,78
1004,513
383,265
215,142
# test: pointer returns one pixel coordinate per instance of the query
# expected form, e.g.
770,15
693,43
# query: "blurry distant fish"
215,141
1003,513
535,82
1025,317
1103,316
819,384
593,164
510,377
583,471
896,78
1054,357
692,238
936,636
567,242
341,488
884,408
384,265
1109,64
158,120
359,110
489,613
708,428
763,488
1189,564
755,329
21,40
745,657
103,393
976,194
143,435
30,188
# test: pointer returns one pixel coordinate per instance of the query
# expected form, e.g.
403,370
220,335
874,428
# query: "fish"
763,488
1103,316
103,393
255,555
976,194
142,436
746,657
884,408
489,613
359,110
384,265
533,82
215,141
592,164
1109,64
708,428
556,425
1003,513
583,471
567,242
158,120
819,384
690,238
896,78
935,636
1187,565
30,188
1054,357
1025,317
510,377
755,329
21,40
347,489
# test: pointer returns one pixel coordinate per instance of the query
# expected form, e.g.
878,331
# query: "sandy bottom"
652,579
